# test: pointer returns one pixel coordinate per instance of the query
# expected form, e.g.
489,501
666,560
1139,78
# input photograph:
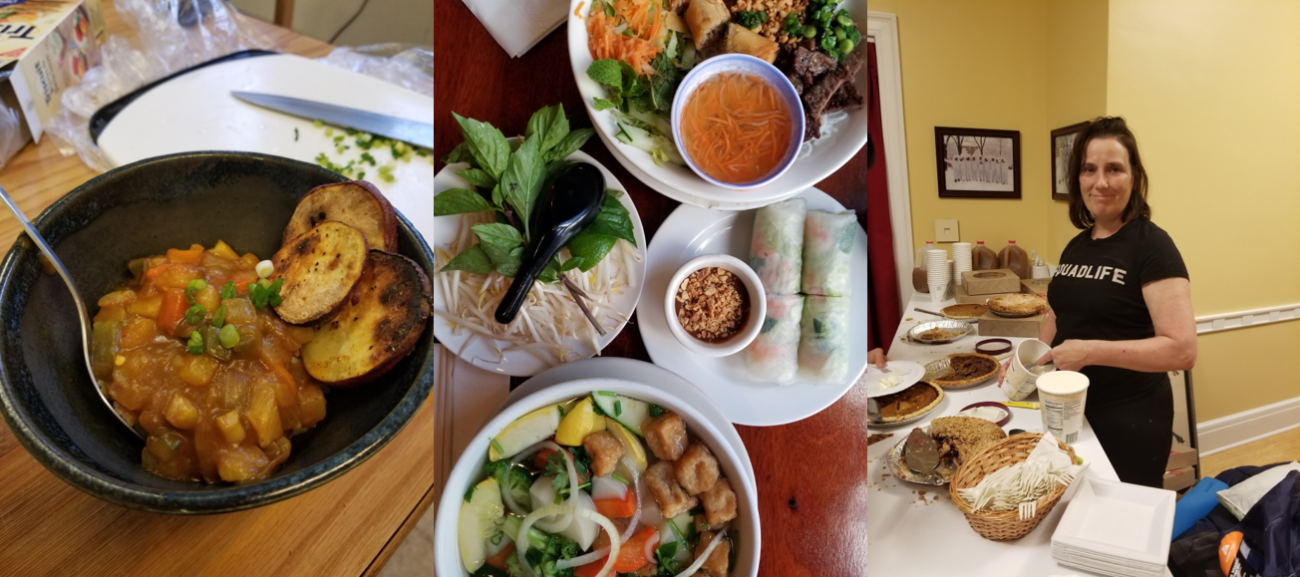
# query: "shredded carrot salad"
606,39
736,128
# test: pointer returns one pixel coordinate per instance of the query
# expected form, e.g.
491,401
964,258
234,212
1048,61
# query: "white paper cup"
938,292
1019,382
1062,395
1041,272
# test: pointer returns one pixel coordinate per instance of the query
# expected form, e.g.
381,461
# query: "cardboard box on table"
1037,286
990,282
992,325
964,297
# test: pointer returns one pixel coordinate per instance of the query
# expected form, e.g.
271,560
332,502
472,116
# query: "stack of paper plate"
1115,528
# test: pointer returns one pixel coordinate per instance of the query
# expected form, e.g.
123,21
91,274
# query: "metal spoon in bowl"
83,313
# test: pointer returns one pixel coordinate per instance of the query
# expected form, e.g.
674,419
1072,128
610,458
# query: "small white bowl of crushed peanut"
715,305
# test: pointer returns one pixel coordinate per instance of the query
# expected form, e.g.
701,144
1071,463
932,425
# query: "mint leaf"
522,180
606,71
603,104
613,220
472,260
846,241
591,248
569,144
550,125
478,177
614,193
571,264
496,195
509,266
487,145
459,154
768,324
549,274
502,235
458,201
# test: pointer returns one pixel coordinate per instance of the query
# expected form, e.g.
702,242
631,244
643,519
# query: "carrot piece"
499,560
155,271
631,556
190,256
172,311
617,508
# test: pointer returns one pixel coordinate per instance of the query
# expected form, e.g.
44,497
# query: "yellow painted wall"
976,65
1209,87
1077,49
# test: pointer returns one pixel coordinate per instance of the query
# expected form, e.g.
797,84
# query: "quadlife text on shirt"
1092,272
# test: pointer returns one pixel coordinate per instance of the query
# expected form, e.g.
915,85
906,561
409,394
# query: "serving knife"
417,133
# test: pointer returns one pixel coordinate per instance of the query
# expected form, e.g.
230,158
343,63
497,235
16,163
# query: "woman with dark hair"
1121,305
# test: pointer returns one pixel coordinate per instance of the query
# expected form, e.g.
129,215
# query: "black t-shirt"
1097,295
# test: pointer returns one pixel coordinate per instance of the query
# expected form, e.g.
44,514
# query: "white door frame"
882,30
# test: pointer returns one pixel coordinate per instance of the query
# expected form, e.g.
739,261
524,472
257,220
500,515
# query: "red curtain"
883,308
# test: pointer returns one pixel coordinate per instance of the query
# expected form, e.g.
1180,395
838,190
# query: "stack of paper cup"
938,273
960,259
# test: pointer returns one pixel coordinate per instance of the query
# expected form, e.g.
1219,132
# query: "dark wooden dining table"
811,474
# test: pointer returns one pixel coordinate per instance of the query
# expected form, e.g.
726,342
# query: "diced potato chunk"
240,463
230,427
264,414
181,412
208,298
176,276
198,370
223,250
138,332
115,312
146,307
120,298
312,402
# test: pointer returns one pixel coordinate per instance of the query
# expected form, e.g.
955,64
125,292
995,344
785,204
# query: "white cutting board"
195,111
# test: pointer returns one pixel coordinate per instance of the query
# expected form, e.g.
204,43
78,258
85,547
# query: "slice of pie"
966,369
964,311
964,437
908,403
1018,304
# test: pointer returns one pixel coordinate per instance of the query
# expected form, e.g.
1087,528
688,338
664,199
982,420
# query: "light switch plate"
945,230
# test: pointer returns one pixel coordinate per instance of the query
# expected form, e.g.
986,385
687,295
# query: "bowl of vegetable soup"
660,490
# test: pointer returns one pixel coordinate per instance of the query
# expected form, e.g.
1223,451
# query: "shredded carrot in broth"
736,128
578,12
646,21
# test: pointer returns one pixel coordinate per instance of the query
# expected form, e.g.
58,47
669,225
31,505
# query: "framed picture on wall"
1062,146
977,163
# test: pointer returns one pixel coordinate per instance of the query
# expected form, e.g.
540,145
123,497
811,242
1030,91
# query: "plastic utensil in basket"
1003,525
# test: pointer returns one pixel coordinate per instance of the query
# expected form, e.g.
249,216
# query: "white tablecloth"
922,535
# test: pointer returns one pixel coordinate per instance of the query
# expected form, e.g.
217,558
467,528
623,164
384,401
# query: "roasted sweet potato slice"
319,268
378,326
356,203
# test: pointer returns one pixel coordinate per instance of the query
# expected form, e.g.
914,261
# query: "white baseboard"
1238,429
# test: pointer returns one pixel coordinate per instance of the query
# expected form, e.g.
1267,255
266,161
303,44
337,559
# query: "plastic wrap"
176,34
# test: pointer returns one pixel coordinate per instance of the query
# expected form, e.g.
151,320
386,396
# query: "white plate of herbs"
478,240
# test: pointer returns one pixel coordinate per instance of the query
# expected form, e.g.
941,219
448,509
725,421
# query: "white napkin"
518,25
464,398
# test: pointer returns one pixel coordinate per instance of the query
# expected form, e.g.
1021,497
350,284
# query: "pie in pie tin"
907,405
1017,305
961,370
964,311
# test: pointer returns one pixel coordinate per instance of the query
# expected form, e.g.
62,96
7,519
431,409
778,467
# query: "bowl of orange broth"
738,121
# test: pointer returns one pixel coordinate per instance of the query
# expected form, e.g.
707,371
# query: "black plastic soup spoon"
83,313
562,211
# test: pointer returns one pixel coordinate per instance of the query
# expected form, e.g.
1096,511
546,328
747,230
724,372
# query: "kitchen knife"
417,133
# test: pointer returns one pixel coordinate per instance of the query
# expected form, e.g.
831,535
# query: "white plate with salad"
509,502
642,142
551,329
691,231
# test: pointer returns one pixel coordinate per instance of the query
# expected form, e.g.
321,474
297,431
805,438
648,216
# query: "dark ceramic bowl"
49,400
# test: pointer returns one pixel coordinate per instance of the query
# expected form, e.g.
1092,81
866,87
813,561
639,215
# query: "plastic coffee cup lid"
1062,383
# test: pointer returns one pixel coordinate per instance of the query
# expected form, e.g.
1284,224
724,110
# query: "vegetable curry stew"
191,350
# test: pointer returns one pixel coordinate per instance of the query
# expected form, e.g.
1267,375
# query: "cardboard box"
1182,456
1036,286
992,325
990,282
1179,479
963,297
51,50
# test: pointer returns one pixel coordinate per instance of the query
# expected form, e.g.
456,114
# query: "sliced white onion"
636,486
505,492
614,541
699,561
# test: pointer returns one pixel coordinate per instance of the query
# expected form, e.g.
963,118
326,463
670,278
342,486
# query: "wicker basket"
1002,525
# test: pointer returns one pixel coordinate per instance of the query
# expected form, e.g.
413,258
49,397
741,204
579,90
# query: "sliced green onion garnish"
197,284
606,394
618,408
656,410
195,345
620,478
229,336
228,290
219,317
497,446
195,315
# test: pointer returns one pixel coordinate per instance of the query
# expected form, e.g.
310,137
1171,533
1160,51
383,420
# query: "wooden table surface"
812,484
347,527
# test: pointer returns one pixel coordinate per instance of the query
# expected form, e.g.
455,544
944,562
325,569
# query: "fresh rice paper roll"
774,355
824,344
776,253
827,248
